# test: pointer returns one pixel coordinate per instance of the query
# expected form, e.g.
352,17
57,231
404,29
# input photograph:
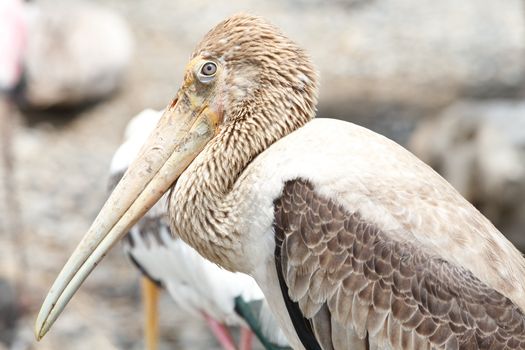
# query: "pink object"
13,31
221,333
246,340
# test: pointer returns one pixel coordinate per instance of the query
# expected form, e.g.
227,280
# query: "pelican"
355,243
197,285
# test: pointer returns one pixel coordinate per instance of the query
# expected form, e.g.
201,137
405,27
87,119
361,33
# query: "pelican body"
355,243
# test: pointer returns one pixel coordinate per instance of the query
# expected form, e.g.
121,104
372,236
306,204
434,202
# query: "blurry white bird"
196,284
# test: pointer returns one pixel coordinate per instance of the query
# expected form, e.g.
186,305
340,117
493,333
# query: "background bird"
198,286
354,241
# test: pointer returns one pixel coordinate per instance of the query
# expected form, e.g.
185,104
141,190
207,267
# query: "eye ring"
207,72
209,69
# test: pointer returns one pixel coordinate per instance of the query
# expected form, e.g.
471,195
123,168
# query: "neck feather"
203,203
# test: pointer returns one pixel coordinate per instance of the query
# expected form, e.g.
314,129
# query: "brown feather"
268,90
386,288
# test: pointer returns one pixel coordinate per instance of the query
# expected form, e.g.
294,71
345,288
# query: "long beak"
185,128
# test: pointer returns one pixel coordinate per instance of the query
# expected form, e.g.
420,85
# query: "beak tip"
41,326
38,332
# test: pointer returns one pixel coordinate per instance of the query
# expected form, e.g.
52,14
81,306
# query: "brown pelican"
354,241
197,285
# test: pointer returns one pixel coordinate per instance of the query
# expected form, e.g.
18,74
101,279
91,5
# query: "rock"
413,54
480,148
76,53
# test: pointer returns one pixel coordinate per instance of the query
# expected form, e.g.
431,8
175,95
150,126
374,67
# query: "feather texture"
194,283
381,286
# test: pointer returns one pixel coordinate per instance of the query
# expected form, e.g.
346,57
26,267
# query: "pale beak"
183,131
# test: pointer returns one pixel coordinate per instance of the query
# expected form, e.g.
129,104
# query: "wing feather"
355,284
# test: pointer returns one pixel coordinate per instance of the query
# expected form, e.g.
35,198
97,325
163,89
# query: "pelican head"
246,85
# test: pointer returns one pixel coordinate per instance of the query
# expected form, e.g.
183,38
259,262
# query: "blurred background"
444,78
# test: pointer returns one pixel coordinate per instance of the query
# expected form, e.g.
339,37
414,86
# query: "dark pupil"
208,69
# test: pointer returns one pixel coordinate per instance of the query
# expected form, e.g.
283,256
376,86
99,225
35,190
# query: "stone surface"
417,53
76,53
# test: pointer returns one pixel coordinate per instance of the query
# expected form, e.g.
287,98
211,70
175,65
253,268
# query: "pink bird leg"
221,332
246,339
13,32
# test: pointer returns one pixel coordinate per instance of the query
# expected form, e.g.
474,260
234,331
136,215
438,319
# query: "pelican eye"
207,72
